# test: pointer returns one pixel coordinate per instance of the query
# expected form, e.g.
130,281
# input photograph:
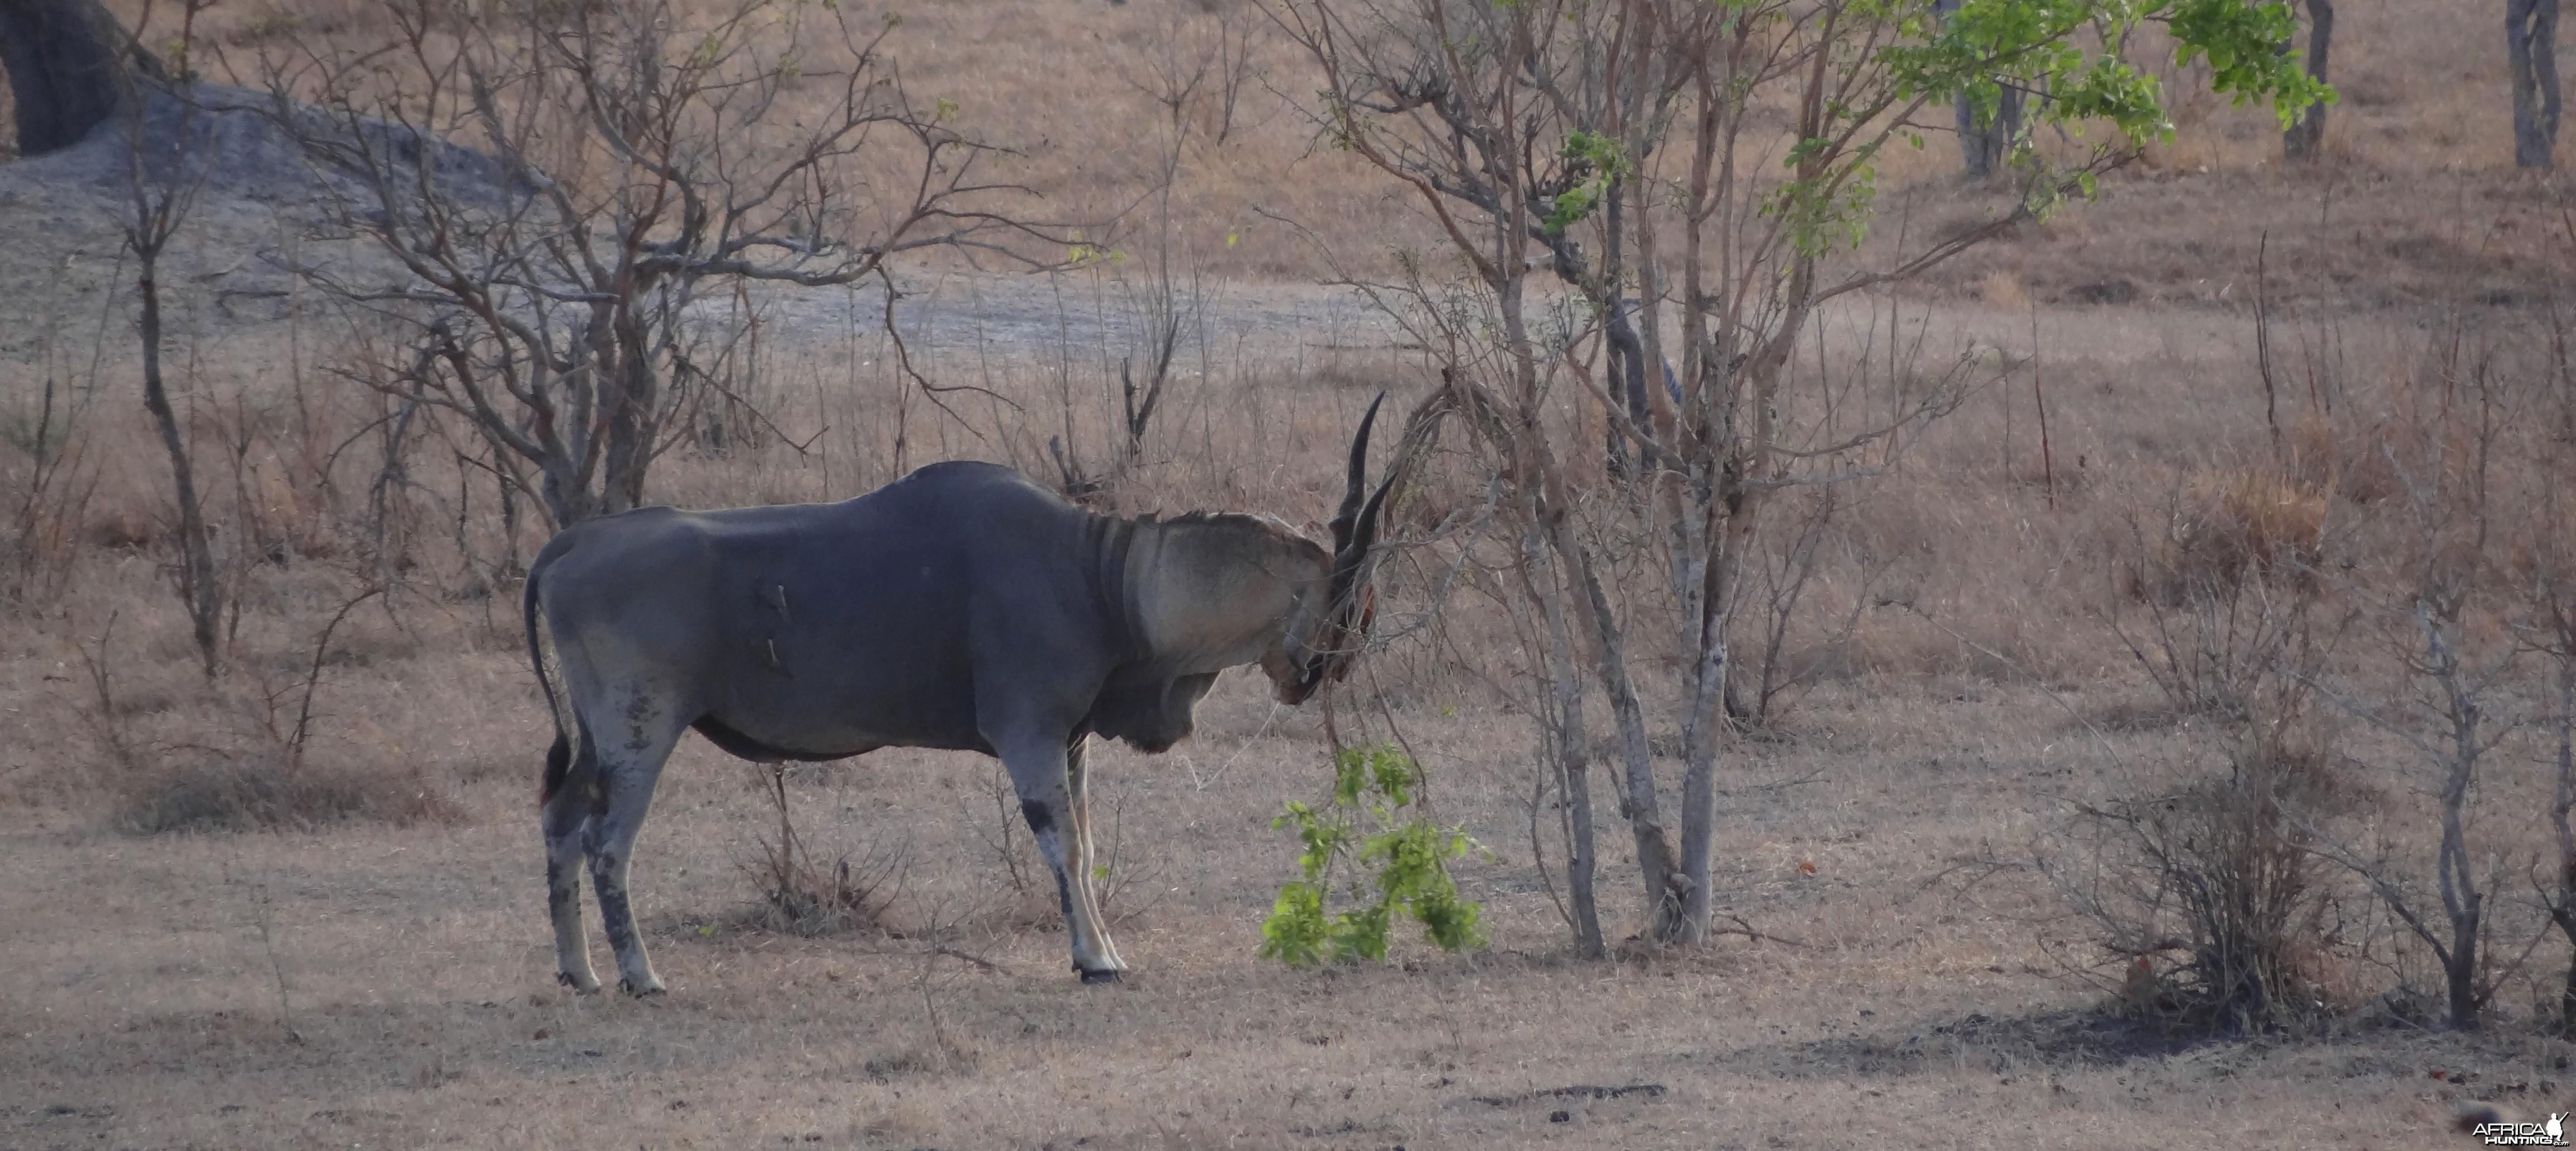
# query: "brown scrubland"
2110,769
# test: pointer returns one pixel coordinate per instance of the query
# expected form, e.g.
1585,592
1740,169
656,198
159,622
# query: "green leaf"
1369,827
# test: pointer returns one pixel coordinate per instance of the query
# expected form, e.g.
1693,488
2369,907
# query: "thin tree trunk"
1657,863
512,567
2462,902
2531,51
2305,139
199,587
633,396
1983,148
1655,855
1706,721
1627,353
1573,750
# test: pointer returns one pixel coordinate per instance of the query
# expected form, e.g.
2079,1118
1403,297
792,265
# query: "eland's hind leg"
567,810
630,761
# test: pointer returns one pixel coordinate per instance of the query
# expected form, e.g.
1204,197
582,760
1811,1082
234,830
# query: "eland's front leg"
1077,773
1038,773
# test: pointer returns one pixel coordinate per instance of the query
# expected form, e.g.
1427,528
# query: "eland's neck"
1209,592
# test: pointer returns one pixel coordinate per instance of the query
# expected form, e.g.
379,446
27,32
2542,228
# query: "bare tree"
2557,628
2454,706
1639,145
2531,54
162,186
557,190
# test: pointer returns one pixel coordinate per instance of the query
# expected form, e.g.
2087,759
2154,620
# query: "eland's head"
1329,621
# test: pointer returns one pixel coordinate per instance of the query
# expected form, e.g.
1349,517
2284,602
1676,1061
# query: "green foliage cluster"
2069,56
1600,162
1401,863
2058,48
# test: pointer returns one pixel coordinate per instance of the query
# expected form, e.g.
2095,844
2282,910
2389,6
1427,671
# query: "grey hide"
959,607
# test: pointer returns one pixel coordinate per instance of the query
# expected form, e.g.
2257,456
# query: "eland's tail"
559,756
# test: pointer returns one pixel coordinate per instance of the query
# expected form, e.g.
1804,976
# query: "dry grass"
257,795
413,970
408,961
370,965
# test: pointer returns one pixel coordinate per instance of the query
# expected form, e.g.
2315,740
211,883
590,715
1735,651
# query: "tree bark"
60,56
198,583
2304,139
634,415
2531,50
1984,147
1573,747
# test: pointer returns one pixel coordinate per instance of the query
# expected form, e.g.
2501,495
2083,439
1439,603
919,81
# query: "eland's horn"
1345,523
1364,532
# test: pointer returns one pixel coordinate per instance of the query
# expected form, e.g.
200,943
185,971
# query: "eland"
960,607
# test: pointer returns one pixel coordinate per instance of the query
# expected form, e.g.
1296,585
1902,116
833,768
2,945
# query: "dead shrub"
804,898
2203,883
2228,527
2213,877
2353,463
2244,650
2241,654
220,794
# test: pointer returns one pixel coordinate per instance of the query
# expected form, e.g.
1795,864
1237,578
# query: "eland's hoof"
577,983
645,990
1105,975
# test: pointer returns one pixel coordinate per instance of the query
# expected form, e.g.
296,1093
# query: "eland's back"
817,631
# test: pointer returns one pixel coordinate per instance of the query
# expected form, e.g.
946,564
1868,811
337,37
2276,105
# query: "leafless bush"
2201,883
51,472
106,723
801,896
2550,607
2206,872
1198,70
205,791
1017,854
257,776
1786,640
2444,687
1031,888
2245,651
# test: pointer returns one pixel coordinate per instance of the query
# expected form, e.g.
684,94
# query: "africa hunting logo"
2500,1134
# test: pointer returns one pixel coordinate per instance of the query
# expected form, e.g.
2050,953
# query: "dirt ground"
369,987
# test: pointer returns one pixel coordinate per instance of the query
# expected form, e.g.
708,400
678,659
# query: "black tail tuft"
558,765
